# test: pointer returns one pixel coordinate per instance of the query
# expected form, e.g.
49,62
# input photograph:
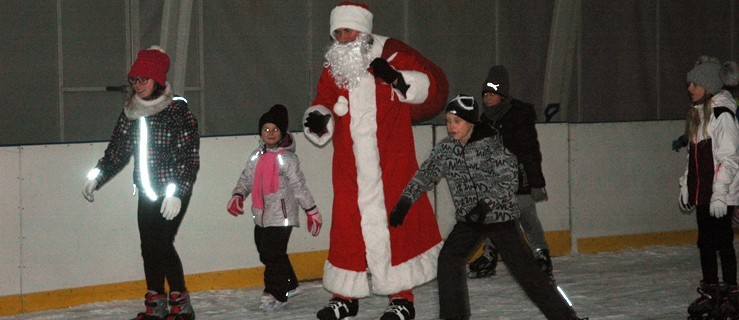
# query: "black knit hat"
276,115
497,81
465,107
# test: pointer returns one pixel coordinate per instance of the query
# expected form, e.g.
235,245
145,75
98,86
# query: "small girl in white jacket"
277,185
709,185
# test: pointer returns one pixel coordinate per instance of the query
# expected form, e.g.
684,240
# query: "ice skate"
399,309
156,306
483,267
269,303
181,308
338,308
728,306
702,307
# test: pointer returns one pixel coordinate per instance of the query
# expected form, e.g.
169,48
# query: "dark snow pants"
157,234
516,253
716,238
279,275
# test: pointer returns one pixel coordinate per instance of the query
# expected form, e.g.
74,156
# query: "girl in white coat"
709,185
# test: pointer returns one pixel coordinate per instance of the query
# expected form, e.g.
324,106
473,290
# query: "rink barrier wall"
611,186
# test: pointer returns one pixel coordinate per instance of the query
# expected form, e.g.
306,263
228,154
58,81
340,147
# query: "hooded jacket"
281,207
480,170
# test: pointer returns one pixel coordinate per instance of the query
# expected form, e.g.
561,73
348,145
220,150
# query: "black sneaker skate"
399,309
338,308
483,267
181,306
156,306
702,307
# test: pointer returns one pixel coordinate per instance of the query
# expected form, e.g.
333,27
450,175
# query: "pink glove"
314,221
235,206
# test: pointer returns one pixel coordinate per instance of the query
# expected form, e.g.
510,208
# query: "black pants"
516,253
279,276
157,234
716,239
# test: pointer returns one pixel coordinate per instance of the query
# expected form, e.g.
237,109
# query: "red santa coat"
373,161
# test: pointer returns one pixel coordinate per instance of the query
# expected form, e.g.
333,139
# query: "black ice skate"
181,308
338,308
483,267
156,306
702,307
728,306
399,309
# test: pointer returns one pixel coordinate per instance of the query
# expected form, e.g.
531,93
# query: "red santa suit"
373,160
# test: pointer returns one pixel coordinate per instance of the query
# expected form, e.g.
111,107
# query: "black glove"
384,71
680,142
317,123
399,211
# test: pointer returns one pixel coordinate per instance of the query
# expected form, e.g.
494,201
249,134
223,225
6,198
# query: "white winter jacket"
724,134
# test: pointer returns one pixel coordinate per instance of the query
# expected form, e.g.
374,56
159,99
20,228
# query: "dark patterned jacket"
518,129
173,149
481,170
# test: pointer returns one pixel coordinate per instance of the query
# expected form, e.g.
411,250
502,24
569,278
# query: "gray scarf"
137,107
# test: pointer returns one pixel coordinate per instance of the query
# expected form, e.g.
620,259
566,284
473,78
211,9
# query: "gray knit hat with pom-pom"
710,74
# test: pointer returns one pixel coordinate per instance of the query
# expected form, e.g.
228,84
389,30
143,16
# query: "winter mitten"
235,205
718,204
683,203
679,143
314,221
399,211
539,194
317,123
89,188
91,184
170,207
384,71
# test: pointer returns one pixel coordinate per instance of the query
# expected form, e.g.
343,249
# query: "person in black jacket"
515,121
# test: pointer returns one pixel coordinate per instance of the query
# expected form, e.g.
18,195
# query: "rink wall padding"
611,186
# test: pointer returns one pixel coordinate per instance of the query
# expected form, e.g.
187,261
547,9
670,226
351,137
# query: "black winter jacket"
518,128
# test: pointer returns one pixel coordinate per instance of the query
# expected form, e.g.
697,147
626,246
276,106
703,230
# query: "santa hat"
276,115
465,107
352,15
497,81
152,63
710,74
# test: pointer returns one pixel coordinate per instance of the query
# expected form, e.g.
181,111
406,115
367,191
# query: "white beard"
348,62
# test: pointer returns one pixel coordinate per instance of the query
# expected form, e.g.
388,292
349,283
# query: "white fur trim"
419,90
314,138
341,107
352,17
347,283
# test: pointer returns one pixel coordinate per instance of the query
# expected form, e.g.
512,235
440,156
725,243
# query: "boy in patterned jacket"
482,177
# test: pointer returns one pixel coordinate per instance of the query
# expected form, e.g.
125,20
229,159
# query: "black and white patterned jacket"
482,169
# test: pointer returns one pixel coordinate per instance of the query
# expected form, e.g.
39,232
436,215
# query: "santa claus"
370,91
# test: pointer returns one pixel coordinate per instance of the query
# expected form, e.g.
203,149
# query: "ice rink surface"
649,283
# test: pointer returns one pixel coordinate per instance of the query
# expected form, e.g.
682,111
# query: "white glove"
683,203
718,204
89,188
170,207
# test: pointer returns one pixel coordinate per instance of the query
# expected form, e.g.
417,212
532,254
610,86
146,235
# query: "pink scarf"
266,177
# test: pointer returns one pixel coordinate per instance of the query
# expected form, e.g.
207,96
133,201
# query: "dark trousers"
516,253
157,234
279,276
716,239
